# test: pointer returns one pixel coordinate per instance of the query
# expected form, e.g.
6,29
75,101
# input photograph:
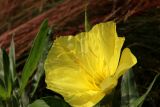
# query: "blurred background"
137,20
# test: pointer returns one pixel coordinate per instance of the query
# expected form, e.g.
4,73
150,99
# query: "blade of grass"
138,102
34,56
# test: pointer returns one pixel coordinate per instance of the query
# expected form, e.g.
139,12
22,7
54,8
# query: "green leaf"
24,99
37,77
35,55
55,102
139,101
12,61
39,103
15,101
129,91
3,93
40,70
5,66
7,75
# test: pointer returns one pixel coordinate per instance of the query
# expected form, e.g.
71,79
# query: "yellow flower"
86,67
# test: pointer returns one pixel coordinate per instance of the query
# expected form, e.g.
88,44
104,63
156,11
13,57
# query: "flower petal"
127,61
74,86
116,55
109,44
86,99
67,72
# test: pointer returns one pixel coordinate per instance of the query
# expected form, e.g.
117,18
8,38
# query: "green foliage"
12,61
40,69
3,93
12,88
38,103
139,101
35,55
7,74
129,92
6,85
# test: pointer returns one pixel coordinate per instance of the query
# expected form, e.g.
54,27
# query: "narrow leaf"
12,61
35,55
15,101
40,70
138,102
5,66
7,75
24,99
129,90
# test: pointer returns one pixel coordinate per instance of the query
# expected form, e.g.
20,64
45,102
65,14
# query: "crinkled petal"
109,45
67,72
74,86
116,55
127,61
86,99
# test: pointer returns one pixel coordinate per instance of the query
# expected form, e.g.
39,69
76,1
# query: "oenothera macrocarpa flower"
86,67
